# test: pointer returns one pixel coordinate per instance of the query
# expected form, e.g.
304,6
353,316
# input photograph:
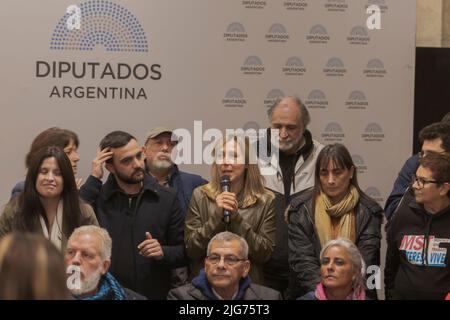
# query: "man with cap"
159,164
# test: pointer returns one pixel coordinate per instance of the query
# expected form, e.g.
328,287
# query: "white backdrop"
221,62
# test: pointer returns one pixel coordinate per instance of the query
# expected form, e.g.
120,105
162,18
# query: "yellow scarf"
343,210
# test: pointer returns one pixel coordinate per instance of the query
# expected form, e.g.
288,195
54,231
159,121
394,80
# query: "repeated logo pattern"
103,23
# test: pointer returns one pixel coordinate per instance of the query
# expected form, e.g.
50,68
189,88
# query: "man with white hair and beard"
159,164
293,173
88,257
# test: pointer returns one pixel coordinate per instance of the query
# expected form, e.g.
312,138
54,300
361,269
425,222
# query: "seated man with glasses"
418,237
433,138
225,276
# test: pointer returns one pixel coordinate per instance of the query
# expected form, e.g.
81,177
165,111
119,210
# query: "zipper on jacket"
316,234
133,238
362,224
133,218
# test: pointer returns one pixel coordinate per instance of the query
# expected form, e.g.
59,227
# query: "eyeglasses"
425,153
421,182
229,260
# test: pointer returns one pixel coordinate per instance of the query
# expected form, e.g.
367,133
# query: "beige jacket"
256,224
304,172
11,209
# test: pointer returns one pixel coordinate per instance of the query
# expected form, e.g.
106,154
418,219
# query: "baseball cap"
153,133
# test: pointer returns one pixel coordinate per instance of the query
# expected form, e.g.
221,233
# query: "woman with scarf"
342,271
335,207
49,204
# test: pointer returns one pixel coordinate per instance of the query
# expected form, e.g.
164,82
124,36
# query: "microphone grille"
224,181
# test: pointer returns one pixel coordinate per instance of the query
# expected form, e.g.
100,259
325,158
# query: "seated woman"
342,271
49,203
251,207
334,207
31,268
62,138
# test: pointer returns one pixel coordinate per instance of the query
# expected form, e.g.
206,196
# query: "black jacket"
411,272
304,242
200,289
294,174
158,212
253,292
183,183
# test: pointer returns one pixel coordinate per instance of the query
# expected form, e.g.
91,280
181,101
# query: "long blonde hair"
253,180
31,268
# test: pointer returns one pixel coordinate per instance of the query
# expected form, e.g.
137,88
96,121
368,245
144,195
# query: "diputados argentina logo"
361,166
98,25
316,100
300,5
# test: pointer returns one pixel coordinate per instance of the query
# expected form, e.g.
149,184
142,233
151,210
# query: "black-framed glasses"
421,182
425,153
229,260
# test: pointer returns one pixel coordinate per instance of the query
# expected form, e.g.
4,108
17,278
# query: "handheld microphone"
225,185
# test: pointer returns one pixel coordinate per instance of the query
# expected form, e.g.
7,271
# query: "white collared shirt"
55,235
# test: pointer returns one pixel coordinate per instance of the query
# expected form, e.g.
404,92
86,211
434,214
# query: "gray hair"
101,234
227,236
356,259
306,118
